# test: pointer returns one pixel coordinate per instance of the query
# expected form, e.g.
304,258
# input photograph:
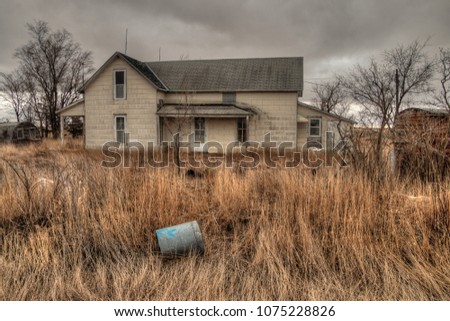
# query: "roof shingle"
256,74
145,70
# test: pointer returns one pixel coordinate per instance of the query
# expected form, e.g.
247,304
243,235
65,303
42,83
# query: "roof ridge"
139,64
223,59
306,105
156,75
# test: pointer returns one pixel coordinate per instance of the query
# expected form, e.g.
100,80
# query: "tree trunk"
379,149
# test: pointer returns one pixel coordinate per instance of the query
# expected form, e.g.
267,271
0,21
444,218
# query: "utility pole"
396,92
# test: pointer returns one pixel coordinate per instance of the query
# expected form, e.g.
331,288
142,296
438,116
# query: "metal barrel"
180,240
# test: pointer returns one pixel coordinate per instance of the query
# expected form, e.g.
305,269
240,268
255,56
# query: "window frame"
124,84
124,130
242,130
200,131
319,127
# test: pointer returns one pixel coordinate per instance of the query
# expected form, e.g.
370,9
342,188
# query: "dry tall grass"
71,230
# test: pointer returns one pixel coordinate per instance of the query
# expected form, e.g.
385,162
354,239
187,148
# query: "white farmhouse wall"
139,107
75,110
303,128
192,98
277,115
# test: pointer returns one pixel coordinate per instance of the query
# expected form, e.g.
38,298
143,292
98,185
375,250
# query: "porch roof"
204,110
74,109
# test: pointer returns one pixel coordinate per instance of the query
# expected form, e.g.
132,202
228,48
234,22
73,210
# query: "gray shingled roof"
203,110
256,74
144,69
300,103
431,110
223,75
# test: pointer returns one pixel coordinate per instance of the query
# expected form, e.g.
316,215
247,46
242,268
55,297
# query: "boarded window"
119,84
242,130
229,98
199,123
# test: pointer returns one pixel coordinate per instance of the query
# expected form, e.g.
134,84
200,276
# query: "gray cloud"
331,35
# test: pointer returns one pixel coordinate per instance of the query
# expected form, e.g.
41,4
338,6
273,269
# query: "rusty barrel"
180,240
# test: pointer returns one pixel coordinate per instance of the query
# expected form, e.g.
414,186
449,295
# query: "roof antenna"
126,40
159,53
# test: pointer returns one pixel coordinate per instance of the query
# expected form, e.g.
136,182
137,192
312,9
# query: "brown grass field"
72,230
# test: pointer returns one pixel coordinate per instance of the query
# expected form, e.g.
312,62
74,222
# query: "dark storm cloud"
331,35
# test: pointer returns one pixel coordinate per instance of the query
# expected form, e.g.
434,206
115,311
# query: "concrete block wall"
192,98
277,114
303,128
101,107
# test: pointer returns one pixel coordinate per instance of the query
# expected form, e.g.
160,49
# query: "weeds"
72,230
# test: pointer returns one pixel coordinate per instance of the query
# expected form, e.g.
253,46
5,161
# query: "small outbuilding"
422,141
17,133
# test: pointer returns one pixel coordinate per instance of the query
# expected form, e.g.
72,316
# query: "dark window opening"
242,130
119,84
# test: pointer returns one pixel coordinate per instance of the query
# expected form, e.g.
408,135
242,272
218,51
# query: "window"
199,124
315,127
242,130
119,84
229,98
120,128
20,133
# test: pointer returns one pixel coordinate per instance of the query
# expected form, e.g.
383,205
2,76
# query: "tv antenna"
126,40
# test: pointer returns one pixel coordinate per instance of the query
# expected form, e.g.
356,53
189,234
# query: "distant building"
16,133
422,141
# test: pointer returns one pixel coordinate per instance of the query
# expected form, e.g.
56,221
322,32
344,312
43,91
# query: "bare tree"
443,97
35,108
331,97
414,71
13,90
179,126
56,64
383,87
372,88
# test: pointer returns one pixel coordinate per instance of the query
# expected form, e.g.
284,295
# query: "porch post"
61,123
84,131
158,131
247,129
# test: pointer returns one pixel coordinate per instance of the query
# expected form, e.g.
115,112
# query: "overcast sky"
331,35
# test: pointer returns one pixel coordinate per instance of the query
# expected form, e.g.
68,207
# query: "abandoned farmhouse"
226,101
